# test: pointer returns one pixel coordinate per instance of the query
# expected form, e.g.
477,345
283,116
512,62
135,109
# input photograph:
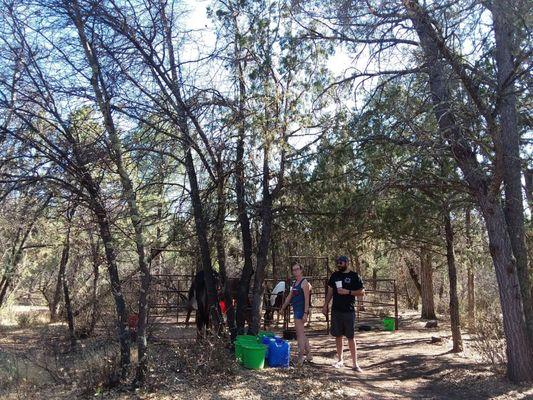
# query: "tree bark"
414,278
274,252
201,233
262,259
96,204
4,285
470,285
452,275
410,302
17,250
183,116
528,178
426,284
357,261
244,221
95,255
7,279
63,278
103,100
112,269
519,351
505,34
57,296
221,251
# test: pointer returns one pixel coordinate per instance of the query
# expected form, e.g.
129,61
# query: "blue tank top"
298,298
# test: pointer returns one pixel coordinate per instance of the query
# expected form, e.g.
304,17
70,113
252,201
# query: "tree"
42,133
478,153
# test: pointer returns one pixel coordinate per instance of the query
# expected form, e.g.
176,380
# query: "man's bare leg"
353,351
340,350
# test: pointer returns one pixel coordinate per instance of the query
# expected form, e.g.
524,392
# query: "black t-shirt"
351,281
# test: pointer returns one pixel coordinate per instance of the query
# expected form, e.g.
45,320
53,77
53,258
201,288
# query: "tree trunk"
4,285
410,302
519,351
17,251
471,299
416,300
95,255
104,226
94,311
57,296
504,33
264,241
426,285
63,279
183,116
201,233
10,273
414,278
357,262
103,100
112,269
244,221
528,178
519,354
452,274
221,251
262,260
274,254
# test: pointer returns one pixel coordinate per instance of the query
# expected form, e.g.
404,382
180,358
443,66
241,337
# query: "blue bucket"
266,341
279,353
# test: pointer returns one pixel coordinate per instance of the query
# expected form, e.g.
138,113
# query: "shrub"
25,320
208,357
489,339
99,370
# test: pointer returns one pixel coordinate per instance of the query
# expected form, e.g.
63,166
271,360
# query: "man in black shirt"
344,286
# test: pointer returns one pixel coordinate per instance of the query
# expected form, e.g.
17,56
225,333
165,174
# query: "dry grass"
23,316
37,363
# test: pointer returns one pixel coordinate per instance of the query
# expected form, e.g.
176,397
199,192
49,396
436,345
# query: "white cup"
339,284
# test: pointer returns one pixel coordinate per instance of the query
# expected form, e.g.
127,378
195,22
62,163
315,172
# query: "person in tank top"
299,298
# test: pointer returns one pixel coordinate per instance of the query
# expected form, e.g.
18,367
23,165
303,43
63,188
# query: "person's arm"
359,292
329,295
307,292
356,293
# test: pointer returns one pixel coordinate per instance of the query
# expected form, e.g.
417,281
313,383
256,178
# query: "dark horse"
198,294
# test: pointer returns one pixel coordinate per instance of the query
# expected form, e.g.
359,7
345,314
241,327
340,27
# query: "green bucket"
239,341
240,338
389,323
253,355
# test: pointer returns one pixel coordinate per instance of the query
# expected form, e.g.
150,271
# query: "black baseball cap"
342,259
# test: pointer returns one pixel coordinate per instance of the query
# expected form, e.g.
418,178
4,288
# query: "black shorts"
342,324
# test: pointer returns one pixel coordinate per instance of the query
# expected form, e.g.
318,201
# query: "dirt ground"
397,365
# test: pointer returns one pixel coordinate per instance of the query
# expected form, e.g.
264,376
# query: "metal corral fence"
169,295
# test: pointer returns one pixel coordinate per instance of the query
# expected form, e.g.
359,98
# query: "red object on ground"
133,319
222,306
